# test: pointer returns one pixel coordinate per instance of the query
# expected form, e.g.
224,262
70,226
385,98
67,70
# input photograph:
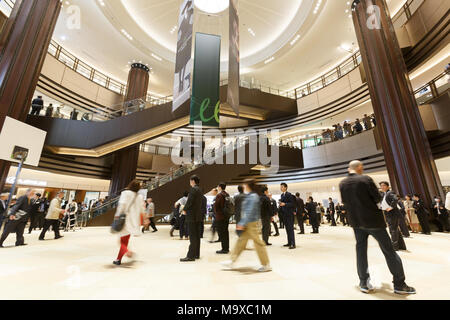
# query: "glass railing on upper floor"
71,61
405,13
423,95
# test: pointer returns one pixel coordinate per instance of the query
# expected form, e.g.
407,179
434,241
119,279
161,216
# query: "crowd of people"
366,208
38,213
348,129
37,106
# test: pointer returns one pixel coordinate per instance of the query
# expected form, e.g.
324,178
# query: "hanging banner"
205,100
234,59
183,65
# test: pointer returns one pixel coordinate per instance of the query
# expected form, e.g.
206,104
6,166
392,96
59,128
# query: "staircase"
171,188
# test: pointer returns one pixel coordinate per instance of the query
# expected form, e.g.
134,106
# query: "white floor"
79,266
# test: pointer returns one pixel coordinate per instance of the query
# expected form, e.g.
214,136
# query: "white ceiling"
101,43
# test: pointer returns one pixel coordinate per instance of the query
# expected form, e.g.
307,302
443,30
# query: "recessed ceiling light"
295,39
212,6
269,60
156,57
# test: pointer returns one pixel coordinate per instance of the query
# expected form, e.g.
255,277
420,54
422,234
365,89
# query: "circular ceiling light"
212,6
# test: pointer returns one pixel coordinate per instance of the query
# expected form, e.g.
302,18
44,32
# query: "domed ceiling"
284,43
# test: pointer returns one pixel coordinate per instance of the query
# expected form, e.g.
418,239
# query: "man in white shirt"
447,201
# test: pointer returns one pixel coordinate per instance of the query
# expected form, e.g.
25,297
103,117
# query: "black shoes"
404,290
301,233
292,247
187,259
287,245
222,252
366,286
277,235
154,231
41,239
59,237
268,244
117,262
22,244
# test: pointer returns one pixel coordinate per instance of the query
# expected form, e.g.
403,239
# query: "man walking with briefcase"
17,219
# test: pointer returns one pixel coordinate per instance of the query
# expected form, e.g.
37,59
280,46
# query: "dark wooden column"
125,161
409,160
138,79
24,43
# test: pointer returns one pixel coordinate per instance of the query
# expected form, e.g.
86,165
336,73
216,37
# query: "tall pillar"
126,160
24,43
407,152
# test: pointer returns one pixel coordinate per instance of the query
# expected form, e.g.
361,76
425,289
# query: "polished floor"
322,267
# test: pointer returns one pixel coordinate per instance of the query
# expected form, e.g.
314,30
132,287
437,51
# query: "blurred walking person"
17,219
131,204
248,229
53,215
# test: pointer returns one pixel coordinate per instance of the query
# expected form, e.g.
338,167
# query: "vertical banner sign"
183,65
205,100
234,59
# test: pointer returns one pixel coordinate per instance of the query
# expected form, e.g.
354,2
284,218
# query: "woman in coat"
132,204
411,214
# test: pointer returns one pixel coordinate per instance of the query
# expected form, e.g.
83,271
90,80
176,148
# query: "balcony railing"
62,55
423,95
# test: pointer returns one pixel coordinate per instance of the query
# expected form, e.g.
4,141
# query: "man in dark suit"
422,214
441,215
34,214
204,213
332,211
311,208
37,105
222,218
3,200
194,217
300,213
361,197
287,211
266,215
17,219
389,205
274,206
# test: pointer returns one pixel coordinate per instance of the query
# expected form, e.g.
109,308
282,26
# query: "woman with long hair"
131,204
248,228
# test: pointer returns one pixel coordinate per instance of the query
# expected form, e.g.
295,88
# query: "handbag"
119,222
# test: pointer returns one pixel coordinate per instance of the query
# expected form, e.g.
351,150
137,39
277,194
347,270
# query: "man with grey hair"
17,219
53,215
361,197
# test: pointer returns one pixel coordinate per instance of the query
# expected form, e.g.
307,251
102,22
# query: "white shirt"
384,204
447,201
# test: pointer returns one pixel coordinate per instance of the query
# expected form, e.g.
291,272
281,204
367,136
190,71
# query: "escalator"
171,188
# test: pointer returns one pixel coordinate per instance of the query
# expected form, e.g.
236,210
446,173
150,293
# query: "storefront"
82,190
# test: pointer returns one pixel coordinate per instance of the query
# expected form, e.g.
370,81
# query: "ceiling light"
212,6
156,57
295,39
269,60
